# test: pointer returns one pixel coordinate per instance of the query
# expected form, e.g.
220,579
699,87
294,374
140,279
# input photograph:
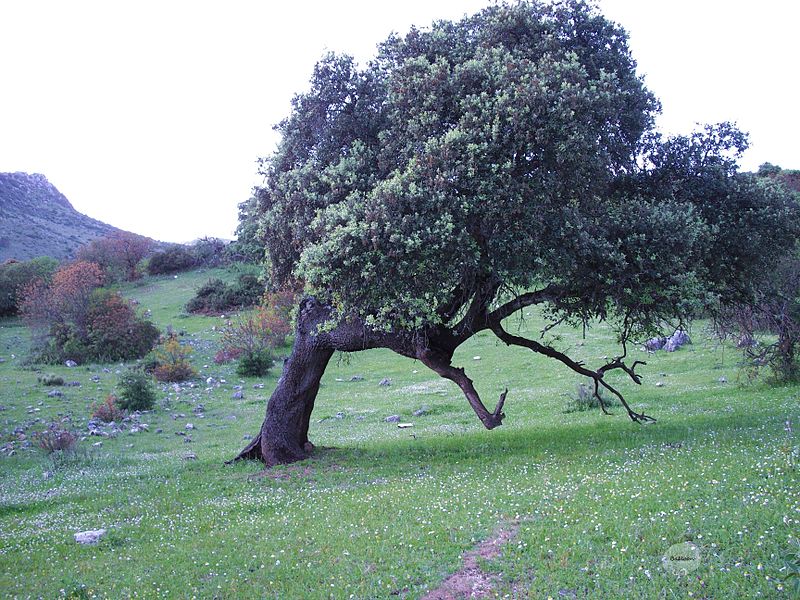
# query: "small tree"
172,361
16,275
119,254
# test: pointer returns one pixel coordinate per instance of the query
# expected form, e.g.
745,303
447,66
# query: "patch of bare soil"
471,581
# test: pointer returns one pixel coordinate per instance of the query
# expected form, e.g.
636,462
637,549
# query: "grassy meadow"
595,501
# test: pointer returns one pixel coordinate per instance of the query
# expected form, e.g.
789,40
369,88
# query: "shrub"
255,363
216,296
172,361
108,411
172,260
55,439
585,399
136,391
50,379
16,275
73,319
209,252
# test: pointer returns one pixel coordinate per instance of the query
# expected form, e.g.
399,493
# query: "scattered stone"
404,425
247,436
258,386
659,384
415,371
340,415
97,444
159,430
90,537
71,363
47,475
238,387
180,433
422,411
723,379
187,440
96,378
392,419
237,395
476,358
339,379
676,340
73,384
357,378
656,343
385,382
189,426
190,456
55,394
176,388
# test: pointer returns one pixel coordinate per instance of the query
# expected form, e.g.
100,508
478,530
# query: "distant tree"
15,275
248,246
119,254
487,165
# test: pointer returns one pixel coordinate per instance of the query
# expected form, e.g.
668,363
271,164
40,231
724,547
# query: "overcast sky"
150,115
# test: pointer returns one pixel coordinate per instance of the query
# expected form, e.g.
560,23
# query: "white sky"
150,114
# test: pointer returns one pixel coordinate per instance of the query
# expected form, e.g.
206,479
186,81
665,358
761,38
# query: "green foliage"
513,147
135,391
50,379
210,252
255,363
216,296
248,246
15,275
174,259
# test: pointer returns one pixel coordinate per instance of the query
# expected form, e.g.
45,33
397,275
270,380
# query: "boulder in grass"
676,340
656,343
90,537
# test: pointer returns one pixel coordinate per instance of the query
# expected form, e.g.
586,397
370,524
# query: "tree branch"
443,368
578,367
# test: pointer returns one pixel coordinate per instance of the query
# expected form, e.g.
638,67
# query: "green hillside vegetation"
588,505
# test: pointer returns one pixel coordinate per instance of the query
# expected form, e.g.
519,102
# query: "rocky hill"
38,220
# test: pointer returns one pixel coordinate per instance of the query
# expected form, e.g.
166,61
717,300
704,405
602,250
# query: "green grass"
383,512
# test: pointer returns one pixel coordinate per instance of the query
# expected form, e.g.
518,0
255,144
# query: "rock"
258,386
96,378
55,394
90,537
97,444
189,426
238,387
357,378
340,415
176,388
476,358
73,384
653,344
404,425
385,382
237,395
247,436
659,384
424,410
392,419
723,379
190,456
676,340
159,430
71,363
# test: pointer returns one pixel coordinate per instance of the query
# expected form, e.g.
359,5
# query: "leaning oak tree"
483,166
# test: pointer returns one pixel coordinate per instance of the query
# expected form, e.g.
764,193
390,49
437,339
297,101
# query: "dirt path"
470,581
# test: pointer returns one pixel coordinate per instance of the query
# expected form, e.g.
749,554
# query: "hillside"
38,220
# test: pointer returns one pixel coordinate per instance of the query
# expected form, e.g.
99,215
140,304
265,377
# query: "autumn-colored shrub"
55,439
72,319
253,338
108,410
173,361
119,254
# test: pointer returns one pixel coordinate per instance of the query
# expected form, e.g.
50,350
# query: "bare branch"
596,376
519,302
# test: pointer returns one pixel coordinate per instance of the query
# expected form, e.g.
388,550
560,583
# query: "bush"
585,399
255,363
74,320
216,296
172,260
55,439
108,411
172,361
136,391
16,275
50,379
209,252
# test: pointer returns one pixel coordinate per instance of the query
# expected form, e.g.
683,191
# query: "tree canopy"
508,159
